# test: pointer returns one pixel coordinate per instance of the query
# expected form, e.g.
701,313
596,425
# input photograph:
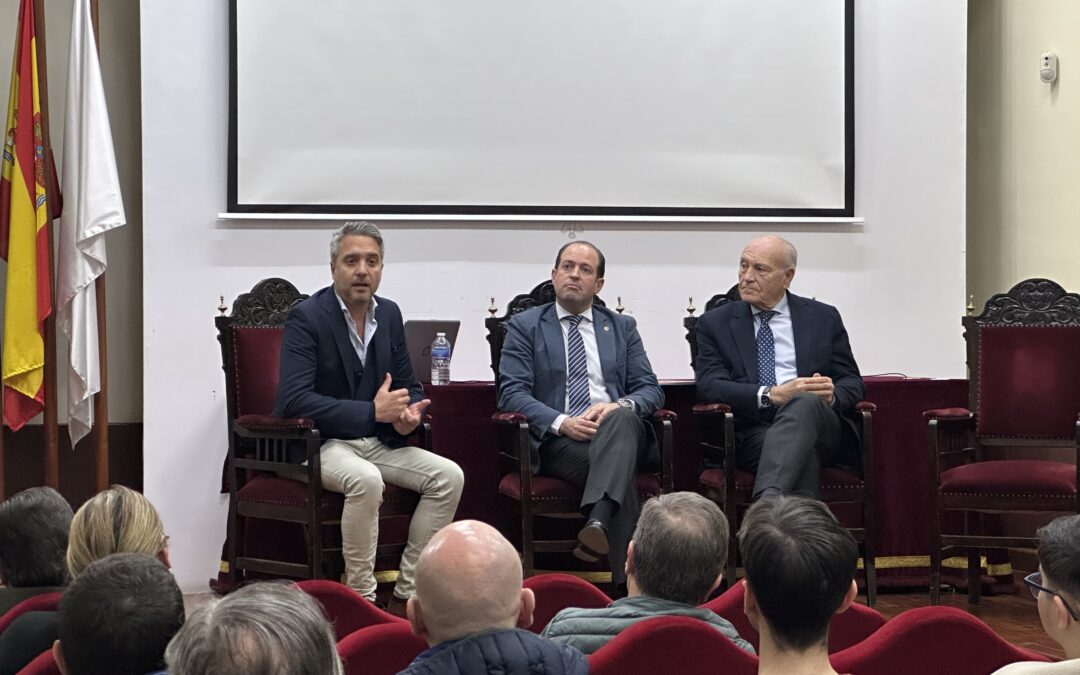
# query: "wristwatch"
626,403
766,399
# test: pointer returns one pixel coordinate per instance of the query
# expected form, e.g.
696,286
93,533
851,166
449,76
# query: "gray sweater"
591,629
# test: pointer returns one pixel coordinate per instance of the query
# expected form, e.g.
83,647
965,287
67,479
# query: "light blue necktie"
766,351
577,369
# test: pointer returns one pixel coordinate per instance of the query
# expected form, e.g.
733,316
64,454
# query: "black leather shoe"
592,541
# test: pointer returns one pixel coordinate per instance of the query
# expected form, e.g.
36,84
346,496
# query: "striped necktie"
766,350
577,369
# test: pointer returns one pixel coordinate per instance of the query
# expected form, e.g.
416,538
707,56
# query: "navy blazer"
726,368
322,378
532,369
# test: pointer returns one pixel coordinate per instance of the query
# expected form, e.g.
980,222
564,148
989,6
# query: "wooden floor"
1013,617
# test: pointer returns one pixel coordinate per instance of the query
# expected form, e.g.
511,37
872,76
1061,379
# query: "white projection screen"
562,108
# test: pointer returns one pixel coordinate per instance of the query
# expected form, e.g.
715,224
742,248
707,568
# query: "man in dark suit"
344,365
784,365
579,372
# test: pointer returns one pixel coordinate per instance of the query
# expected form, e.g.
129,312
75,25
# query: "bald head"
468,580
766,268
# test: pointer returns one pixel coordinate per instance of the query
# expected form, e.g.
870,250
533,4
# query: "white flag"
92,206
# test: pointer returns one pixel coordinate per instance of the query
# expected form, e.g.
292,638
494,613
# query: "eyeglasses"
1034,584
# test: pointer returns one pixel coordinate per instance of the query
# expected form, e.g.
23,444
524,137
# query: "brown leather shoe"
397,607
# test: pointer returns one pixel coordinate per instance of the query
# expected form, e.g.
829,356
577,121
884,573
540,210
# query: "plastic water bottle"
440,360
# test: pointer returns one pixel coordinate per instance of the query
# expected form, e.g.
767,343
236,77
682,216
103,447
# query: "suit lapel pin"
606,328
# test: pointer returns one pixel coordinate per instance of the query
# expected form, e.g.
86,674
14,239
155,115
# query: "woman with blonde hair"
116,520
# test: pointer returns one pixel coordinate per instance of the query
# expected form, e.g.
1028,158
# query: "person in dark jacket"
471,609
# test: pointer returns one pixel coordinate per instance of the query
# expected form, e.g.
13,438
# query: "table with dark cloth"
463,431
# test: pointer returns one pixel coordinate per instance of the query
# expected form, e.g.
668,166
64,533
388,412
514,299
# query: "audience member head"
34,528
1059,596
261,629
578,275
117,617
766,268
678,549
116,520
468,580
800,568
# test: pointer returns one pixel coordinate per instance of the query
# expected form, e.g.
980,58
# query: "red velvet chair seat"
1011,478
546,488
832,478
268,489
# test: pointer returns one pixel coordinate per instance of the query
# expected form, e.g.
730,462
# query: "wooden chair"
534,495
732,488
262,482
1024,398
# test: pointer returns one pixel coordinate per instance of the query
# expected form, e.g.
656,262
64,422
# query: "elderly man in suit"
580,374
344,365
784,365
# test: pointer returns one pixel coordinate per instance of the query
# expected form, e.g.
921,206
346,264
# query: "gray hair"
680,546
34,527
355,228
261,629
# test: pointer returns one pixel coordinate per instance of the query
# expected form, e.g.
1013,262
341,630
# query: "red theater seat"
556,592
344,609
671,644
931,641
385,649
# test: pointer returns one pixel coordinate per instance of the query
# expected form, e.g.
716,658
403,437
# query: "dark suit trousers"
788,453
606,466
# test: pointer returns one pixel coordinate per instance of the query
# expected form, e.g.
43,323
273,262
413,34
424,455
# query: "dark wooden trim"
25,461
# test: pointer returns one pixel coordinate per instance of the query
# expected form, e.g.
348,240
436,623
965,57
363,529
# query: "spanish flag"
24,236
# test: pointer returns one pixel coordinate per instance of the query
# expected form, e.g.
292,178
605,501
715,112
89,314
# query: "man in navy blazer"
784,365
344,365
580,374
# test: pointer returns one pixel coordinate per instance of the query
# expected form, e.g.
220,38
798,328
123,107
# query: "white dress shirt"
784,338
586,328
370,324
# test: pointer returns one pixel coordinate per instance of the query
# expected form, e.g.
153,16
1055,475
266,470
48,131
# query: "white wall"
898,279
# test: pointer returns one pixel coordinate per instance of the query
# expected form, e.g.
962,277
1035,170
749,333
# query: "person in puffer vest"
471,609
675,560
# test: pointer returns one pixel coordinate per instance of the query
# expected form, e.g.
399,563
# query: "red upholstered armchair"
846,629
556,592
732,488
385,649
671,644
531,495
259,446
1024,400
931,641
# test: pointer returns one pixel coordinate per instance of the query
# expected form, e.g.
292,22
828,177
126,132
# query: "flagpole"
52,430
101,399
